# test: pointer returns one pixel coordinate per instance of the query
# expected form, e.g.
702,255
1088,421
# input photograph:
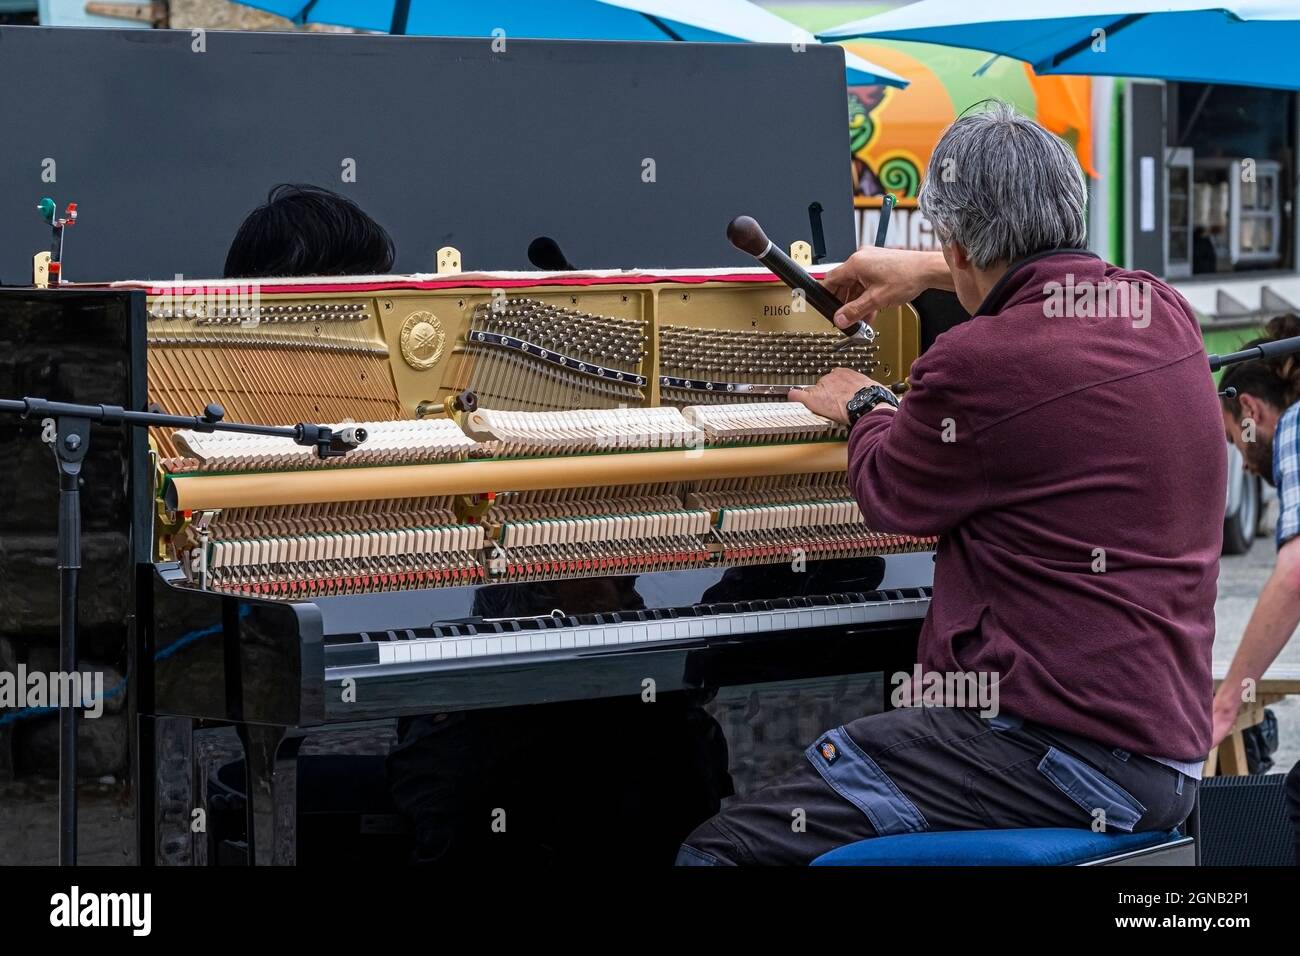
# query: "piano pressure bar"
206,492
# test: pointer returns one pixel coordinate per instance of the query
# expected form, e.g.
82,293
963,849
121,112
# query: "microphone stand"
71,442
1266,350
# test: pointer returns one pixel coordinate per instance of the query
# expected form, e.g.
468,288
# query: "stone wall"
226,15
223,15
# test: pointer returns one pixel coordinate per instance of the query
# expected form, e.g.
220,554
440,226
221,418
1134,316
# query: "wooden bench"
1280,680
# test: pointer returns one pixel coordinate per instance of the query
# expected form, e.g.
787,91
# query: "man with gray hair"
1064,445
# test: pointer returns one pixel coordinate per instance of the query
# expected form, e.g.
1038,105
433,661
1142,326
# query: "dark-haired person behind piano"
1066,446
304,230
537,784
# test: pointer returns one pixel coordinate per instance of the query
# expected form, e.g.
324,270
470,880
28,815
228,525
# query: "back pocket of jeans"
1092,790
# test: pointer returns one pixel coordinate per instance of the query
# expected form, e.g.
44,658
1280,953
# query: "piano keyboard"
511,636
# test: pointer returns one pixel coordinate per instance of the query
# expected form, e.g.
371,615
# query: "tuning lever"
748,236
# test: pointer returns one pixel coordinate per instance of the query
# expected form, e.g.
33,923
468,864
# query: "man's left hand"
829,396
1223,714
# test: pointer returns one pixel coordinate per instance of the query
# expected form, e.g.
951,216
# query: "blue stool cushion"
1043,847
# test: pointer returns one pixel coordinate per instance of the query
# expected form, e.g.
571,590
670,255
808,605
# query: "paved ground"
1240,581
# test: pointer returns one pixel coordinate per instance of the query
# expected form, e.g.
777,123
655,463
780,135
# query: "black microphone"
748,236
329,442
545,253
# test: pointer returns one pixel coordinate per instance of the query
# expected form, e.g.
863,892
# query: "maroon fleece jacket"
1078,499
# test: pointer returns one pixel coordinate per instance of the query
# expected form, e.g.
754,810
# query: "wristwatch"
865,399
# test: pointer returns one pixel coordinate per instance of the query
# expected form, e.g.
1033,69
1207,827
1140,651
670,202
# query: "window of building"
1230,171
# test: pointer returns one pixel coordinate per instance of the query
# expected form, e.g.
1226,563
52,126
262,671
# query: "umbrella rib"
668,31
401,16
1080,45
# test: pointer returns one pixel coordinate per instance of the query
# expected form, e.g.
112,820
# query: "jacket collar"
1014,279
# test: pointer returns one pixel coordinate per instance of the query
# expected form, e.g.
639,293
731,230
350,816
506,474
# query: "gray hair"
1003,188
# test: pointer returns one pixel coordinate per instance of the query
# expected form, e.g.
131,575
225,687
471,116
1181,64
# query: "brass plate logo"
422,340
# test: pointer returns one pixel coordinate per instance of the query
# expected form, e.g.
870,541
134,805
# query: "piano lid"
624,154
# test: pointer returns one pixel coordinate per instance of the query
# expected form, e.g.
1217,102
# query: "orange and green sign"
892,132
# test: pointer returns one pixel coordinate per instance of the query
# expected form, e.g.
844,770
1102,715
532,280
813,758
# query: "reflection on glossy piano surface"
629,498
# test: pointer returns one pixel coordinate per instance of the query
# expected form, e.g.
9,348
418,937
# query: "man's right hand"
876,278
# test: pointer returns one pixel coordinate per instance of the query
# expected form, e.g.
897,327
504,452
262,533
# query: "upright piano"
573,486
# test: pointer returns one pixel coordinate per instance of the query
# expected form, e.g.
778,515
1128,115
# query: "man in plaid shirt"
1263,421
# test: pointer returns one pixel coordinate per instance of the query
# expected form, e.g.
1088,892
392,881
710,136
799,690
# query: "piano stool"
1056,846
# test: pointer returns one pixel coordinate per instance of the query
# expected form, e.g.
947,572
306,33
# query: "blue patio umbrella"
1252,43
700,20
